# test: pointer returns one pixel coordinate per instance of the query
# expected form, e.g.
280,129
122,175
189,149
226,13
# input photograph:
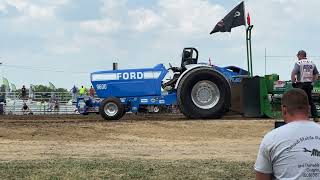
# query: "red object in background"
248,20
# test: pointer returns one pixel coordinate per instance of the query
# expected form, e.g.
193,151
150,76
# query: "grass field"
137,147
125,169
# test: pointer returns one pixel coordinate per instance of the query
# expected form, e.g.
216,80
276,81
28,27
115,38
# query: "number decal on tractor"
101,86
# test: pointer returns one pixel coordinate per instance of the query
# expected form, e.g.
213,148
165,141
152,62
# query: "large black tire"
124,113
201,81
111,109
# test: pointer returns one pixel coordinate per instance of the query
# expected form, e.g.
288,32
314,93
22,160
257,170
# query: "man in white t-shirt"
291,151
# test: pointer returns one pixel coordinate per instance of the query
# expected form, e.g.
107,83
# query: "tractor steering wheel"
174,69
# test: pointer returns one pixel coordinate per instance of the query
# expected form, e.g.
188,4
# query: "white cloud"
3,8
40,12
158,31
19,4
113,8
284,1
179,16
190,16
31,9
113,4
144,19
111,11
100,26
281,19
65,49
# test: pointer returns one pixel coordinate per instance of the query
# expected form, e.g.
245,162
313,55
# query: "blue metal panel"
86,104
232,72
135,102
130,82
168,99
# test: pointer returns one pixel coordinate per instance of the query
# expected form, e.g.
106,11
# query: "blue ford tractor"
201,91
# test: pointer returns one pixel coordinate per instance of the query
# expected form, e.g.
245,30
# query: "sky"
63,41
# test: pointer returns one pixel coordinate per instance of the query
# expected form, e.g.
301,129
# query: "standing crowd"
53,101
81,92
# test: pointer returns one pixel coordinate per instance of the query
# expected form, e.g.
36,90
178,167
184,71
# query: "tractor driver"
187,59
186,56
303,75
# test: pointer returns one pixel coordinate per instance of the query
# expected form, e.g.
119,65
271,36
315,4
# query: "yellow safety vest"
82,91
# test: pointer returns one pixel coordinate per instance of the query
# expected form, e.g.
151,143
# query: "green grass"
125,169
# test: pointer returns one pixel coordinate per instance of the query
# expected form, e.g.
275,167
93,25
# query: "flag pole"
250,48
247,39
248,58
248,42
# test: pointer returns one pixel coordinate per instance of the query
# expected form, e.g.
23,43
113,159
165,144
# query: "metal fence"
39,96
38,103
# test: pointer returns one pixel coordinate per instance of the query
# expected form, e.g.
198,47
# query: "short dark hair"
302,53
296,101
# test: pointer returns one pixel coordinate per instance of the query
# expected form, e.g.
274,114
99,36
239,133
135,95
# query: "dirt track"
147,137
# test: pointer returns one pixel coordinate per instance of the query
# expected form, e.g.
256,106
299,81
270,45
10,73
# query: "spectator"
31,95
1,108
303,75
23,92
53,103
3,88
291,151
3,98
74,92
82,91
91,92
25,109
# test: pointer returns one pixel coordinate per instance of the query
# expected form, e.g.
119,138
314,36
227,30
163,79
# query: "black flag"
235,18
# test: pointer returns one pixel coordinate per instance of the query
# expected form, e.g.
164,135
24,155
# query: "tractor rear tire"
111,109
124,113
203,94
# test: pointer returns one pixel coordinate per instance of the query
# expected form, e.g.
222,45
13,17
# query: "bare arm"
315,77
315,73
263,166
293,78
294,72
262,176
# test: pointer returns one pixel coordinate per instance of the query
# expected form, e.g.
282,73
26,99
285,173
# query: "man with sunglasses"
303,75
291,151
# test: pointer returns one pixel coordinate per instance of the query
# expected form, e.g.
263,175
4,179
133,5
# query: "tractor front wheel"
111,109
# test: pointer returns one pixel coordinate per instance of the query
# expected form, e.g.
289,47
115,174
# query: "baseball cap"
302,52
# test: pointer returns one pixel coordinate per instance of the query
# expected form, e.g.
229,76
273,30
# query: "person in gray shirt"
303,75
291,151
